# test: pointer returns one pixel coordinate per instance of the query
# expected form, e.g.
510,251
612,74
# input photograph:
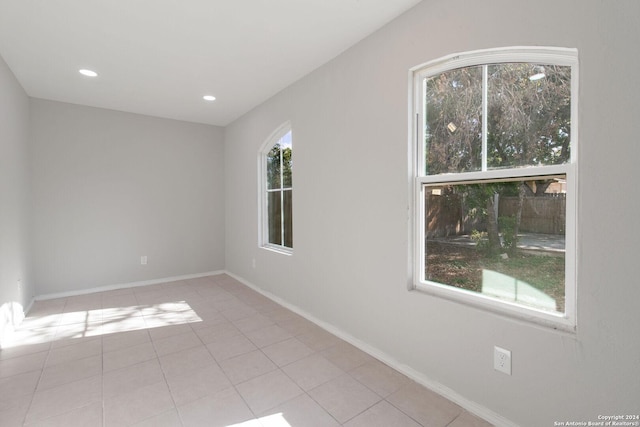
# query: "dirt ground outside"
462,266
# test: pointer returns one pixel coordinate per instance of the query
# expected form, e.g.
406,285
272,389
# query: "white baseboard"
420,378
125,285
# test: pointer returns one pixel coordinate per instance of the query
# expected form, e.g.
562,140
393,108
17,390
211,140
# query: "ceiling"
159,57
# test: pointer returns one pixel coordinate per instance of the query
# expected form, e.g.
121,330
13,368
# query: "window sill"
278,249
556,321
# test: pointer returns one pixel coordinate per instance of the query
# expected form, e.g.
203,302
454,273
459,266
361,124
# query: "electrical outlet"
143,260
502,360
253,263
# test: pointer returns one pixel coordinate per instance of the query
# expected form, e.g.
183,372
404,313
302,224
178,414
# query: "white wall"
14,200
109,187
350,261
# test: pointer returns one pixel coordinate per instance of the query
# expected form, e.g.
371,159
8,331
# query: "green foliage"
279,166
478,200
477,195
507,225
480,238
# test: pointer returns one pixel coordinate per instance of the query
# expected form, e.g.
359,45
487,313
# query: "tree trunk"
492,225
516,227
541,186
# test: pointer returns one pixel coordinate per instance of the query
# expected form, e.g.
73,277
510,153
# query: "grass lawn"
462,267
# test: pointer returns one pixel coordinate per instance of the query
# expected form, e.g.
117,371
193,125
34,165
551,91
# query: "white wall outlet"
502,360
19,285
143,260
253,263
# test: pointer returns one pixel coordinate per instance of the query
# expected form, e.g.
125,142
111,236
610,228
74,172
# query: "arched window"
276,189
494,155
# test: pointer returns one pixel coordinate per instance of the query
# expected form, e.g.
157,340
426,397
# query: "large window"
495,181
276,189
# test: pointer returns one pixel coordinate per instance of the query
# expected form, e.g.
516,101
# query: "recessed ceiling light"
209,98
88,73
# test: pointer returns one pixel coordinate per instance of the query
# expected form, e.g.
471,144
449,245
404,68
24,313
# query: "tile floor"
202,352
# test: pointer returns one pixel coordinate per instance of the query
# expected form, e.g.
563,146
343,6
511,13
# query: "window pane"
453,128
288,215
505,240
287,161
275,222
529,115
273,167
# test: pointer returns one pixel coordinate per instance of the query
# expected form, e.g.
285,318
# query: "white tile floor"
202,352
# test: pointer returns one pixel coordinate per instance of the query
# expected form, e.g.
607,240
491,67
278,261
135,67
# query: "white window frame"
542,55
263,211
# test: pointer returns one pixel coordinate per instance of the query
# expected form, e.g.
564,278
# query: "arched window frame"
284,243
419,180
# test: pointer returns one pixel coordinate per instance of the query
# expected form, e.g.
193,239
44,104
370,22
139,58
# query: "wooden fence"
545,214
447,215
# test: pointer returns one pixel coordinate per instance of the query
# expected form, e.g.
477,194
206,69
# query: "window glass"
503,239
288,213
529,115
287,160
453,111
528,109
274,167
274,204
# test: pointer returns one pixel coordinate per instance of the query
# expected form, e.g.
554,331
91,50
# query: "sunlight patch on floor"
275,420
98,322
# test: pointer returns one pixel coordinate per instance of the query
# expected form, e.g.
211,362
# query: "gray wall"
14,199
351,228
109,187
